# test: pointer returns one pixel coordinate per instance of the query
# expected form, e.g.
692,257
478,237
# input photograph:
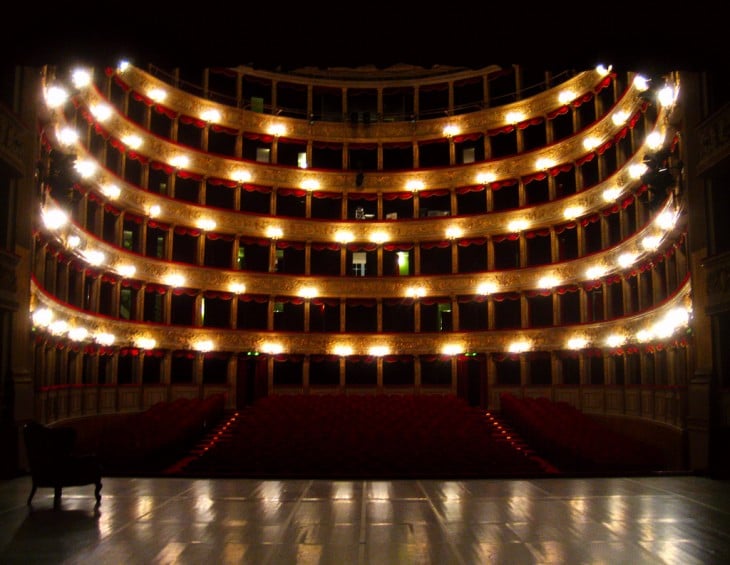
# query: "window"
359,262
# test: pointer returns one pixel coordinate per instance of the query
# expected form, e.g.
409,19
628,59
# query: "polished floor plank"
667,520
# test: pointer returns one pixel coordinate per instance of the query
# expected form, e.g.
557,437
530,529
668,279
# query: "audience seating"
361,436
148,441
573,441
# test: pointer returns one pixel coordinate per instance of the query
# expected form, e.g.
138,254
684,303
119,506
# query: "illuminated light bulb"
123,66
641,83
644,335
308,292
590,143
145,343
414,185
81,78
105,338
415,291
111,191
666,96
611,194
154,211
272,348
548,281
175,280
626,259
452,349
379,350
180,161
662,330
572,212
516,226
93,256
654,140
58,327
73,241
211,115
274,232
486,178
206,224
677,317
566,97
157,94
55,96
42,317
132,140
101,112
577,343
241,175
451,130
54,218
68,136
619,117
637,170
277,130
514,117
237,288
344,236
203,345
651,242
453,232
379,237
544,163
603,70
519,346
615,340
595,272
78,334
486,288
85,168
666,220
310,184
126,270
342,350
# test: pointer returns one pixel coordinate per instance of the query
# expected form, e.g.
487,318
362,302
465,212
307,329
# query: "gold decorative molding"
153,270
544,215
567,150
492,341
538,105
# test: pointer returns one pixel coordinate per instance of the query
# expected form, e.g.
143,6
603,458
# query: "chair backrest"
46,446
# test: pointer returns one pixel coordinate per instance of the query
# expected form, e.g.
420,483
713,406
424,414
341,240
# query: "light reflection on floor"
658,520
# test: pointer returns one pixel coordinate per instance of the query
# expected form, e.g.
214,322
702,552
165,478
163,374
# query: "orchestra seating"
362,436
573,441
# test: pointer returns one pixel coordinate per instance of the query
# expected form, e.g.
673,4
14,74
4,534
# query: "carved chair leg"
97,492
32,493
57,496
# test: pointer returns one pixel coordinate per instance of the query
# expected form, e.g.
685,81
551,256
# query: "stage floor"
634,520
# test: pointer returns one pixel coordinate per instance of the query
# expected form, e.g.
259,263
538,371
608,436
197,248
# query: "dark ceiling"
269,35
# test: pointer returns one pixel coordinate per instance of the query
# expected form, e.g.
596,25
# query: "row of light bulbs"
55,218
56,96
87,168
663,328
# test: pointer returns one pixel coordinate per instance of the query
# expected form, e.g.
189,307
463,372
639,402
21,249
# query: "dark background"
561,35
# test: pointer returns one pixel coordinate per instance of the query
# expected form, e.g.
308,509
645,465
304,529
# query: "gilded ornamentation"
183,338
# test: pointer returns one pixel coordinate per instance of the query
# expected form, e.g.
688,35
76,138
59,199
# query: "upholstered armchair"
54,464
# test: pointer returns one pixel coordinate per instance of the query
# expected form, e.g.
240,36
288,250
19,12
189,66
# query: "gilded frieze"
516,280
185,338
567,150
487,119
